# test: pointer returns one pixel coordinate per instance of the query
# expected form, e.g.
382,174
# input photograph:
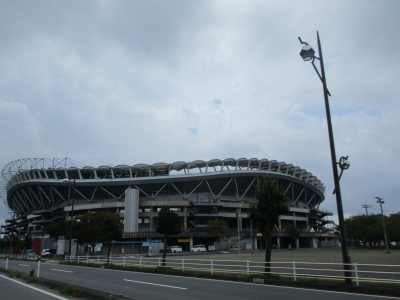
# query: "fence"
20,256
295,270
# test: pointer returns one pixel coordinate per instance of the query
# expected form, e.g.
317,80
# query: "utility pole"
366,207
366,212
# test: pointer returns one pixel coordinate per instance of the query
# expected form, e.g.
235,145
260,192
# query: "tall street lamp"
67,180
380,201
308,54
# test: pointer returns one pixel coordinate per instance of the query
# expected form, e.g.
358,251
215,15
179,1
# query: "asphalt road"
12,289
142,286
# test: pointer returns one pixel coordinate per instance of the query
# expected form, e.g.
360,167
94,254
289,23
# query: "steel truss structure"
34,190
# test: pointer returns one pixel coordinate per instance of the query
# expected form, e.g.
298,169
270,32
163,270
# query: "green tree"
216,229
92,228
366,228
14,240
58,229
294,232
27,242
393,225
376,228
3,244
271,203
168,223
111,228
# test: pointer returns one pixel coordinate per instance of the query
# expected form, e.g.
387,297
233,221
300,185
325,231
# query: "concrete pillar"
131,210
185,219
151,218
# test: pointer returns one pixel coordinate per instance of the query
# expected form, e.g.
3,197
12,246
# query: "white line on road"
62,271
168,286
36,289
24,265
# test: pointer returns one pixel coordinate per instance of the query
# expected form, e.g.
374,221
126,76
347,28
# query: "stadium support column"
131,215
278,239
185,219
151,218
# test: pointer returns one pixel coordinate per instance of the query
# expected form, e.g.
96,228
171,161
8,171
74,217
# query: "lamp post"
308,54
67,180
380,201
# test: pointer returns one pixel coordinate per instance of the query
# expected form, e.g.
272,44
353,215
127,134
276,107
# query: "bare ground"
321,255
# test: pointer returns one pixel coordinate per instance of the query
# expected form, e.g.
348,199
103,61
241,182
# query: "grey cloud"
128,82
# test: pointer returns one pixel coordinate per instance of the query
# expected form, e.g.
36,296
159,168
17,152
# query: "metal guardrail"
20,256
325,271
202,232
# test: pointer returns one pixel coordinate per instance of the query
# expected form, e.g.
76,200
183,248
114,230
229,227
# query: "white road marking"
62,271
24,265
36,289
150,283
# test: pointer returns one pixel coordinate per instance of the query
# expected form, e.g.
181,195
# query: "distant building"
38,194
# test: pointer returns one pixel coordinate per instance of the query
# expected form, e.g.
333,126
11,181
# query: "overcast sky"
128,82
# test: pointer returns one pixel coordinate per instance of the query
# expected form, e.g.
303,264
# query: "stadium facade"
36,192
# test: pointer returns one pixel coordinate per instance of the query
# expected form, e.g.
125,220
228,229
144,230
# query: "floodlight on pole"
308,54
380,201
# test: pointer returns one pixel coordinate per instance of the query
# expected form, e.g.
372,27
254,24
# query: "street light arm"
301,42
315,68
319,75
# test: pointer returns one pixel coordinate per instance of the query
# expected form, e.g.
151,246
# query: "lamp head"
307,53
344,164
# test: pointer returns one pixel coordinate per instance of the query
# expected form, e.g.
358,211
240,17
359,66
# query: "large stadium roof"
40,168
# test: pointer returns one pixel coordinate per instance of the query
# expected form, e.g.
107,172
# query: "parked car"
168,250
30,254
211,248
48,252
199,248
235,248
176,249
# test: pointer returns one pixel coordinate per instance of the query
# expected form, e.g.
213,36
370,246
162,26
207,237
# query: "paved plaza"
327,255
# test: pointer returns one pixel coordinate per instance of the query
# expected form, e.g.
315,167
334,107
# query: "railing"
19,256
196,232
295,270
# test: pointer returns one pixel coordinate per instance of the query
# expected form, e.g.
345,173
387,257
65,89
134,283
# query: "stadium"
41,191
